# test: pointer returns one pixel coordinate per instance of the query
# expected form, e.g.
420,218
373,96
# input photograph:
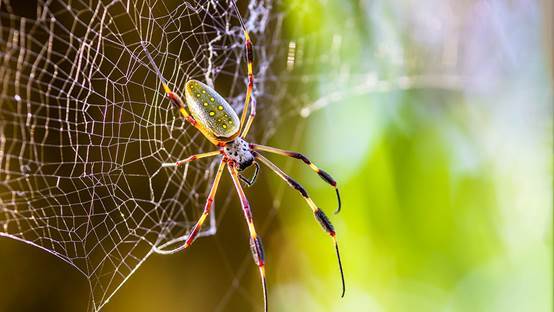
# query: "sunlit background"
435,118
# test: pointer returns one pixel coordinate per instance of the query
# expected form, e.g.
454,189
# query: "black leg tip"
338,199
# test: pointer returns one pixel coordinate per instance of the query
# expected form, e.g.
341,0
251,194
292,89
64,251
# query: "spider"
210,113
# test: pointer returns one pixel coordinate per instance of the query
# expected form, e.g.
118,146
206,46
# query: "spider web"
85,126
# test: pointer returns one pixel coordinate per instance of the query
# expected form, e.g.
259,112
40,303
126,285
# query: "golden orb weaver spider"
220,124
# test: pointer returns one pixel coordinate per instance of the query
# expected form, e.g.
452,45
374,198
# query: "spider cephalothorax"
208,112
240,153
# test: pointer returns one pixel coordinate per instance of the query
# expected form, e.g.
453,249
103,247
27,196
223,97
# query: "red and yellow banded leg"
191,158
175,99
255,241
207,206
250,118
249,59
324,175
318,213
180,104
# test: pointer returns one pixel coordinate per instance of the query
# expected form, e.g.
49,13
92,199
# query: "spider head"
247,162
239,152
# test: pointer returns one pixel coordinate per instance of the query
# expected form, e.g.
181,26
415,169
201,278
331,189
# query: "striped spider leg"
324,175
319,215
207,206
250,88
256,245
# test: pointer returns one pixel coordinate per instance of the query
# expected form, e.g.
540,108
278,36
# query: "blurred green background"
441,142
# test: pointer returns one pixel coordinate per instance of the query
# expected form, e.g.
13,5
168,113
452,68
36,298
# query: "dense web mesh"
85,125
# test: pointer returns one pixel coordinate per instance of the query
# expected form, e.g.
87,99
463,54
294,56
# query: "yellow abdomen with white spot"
211,111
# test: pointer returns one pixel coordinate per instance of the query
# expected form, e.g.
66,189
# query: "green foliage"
438,212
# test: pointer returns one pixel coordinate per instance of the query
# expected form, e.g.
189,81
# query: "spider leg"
207,206
253,179
250,119
318,213
191,158
255,241
324,175
174,98
249,59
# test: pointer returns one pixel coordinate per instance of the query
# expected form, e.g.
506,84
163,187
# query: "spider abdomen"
212,111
